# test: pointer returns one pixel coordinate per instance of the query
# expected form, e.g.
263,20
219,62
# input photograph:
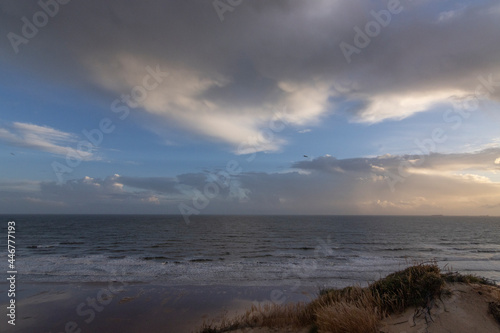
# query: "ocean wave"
156,258
263,250
41,246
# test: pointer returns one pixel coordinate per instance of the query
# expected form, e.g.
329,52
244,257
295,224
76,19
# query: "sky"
250,107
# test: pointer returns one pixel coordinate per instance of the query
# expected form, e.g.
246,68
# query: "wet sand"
114,307
134,308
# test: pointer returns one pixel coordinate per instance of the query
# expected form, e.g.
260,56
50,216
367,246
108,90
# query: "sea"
299,251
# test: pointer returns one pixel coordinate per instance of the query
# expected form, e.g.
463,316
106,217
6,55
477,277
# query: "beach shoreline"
127,307
134,307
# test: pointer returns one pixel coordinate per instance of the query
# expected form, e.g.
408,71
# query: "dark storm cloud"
229,74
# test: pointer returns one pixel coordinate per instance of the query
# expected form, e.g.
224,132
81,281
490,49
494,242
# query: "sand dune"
465,311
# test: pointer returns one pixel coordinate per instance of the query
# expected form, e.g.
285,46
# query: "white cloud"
401,105
475,178
400,204
198,102
43,138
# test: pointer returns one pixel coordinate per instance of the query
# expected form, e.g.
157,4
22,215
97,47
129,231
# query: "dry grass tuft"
347,317
348,310
467,278
414,286
268,315
352,309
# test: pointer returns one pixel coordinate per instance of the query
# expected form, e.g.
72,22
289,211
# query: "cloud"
451,14
227,79
483,160
454,184
332,165
42,138
399,106
20,186
107,195
157,184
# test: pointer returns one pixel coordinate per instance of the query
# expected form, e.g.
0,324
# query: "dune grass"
352,309
414,286
467,278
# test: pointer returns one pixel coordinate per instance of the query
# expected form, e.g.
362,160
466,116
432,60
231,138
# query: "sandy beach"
133,308
465,311
46,307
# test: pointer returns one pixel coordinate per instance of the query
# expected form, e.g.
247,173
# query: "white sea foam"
309,251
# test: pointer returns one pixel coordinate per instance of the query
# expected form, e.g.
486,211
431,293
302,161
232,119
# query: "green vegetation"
353,309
